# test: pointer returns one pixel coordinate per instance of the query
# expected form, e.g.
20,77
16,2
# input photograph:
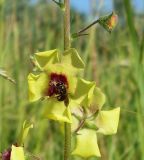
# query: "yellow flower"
56,83
96,121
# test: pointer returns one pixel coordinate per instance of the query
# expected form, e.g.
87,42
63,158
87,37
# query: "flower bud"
109,22
6,154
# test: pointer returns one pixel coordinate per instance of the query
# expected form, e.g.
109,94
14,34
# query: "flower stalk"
67,44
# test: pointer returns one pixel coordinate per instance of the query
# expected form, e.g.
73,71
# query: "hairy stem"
67,44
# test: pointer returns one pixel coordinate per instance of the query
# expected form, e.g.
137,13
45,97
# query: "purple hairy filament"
58,86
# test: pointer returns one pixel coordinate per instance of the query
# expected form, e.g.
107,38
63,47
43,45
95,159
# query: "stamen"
58,86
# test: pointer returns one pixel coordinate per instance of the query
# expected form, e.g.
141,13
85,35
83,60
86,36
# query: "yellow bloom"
96,121
57,84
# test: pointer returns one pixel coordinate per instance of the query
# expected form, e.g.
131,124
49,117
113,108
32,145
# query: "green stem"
67,44
67,147
87,27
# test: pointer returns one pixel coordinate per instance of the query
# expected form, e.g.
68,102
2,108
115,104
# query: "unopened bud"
109,22
6,155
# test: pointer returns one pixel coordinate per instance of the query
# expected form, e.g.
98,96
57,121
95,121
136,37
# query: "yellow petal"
37,85
17,153
98,100
84,92
75,123
72,58
86,145
47,57
62,69
107,121
56,110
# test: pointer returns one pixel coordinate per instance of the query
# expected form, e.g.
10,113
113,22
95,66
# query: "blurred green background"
115,61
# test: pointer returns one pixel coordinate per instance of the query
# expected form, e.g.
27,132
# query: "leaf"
4,74
86,144
17,153
107,121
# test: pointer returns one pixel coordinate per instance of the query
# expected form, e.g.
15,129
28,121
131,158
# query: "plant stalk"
67,44
87,27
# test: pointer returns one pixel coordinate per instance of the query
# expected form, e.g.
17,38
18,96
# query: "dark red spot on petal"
57,86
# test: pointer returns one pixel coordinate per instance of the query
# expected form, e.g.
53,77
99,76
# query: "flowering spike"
108,22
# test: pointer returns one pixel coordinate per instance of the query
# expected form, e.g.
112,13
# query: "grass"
115,61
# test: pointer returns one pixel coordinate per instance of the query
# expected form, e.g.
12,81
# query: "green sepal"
107,121
86,144
108,22
24,132
17,153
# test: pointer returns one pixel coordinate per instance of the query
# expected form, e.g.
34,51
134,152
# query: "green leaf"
24,132
86,144
17,153
37,85
84,92
47,57
56,110
107,121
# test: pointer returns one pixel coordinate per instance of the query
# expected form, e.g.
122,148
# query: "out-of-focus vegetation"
115,61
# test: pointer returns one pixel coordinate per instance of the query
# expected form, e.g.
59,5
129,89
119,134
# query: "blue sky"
84,6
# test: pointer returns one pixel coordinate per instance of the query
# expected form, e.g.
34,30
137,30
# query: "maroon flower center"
58,86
